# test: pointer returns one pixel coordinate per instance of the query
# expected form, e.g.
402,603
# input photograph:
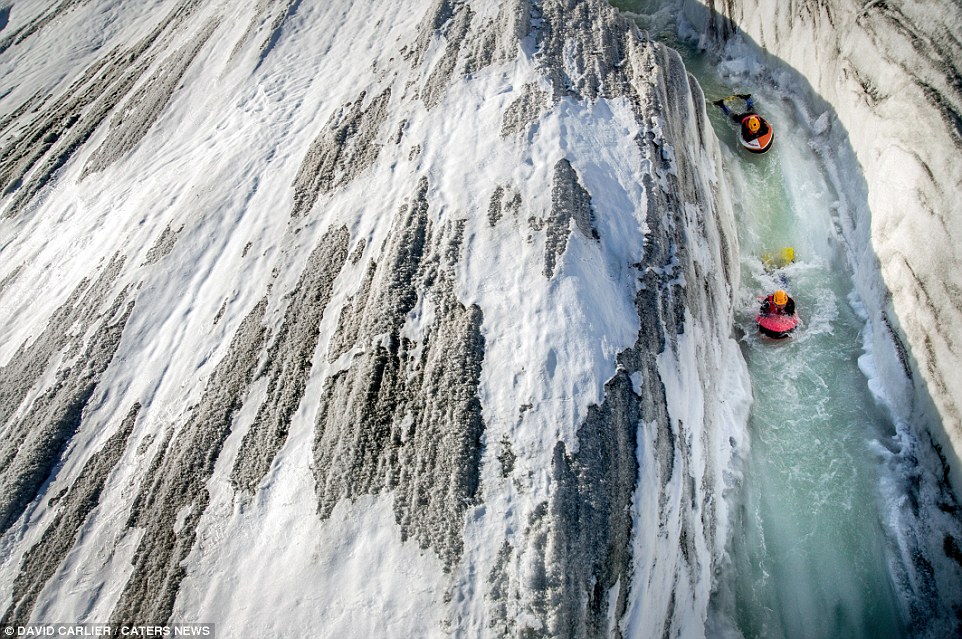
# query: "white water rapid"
823,545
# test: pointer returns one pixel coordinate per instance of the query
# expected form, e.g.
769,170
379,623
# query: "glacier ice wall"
321,318
890,71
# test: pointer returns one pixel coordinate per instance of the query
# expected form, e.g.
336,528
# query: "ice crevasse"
887,76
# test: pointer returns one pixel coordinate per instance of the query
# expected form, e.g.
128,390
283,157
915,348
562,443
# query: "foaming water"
811,554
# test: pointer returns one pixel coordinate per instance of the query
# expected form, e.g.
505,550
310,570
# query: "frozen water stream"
813,552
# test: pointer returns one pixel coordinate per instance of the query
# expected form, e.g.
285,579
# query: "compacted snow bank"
329,318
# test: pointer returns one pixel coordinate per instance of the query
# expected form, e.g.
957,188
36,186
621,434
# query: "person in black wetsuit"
753,125
778,303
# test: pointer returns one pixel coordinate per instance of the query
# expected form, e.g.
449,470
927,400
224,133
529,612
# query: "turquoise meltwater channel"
809,554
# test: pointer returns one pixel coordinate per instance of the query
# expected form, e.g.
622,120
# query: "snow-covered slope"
890,71
332,319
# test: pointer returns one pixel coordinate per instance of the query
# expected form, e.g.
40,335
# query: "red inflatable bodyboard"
777,326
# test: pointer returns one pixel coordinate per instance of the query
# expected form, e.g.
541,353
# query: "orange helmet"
753,123
780,298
